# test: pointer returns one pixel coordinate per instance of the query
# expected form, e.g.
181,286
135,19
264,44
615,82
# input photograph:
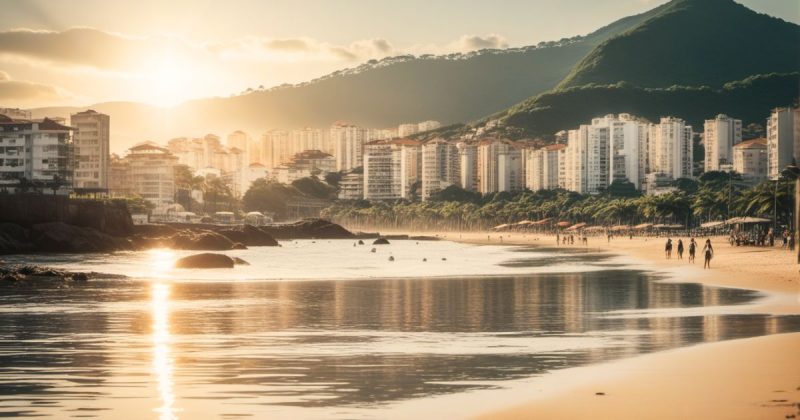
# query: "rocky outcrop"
249,236
381,241
205,260
109,217
61,237
201,241
29,274
309,229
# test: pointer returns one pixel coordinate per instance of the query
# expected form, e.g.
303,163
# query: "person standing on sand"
708,251
668,248
692,250
680,249
558,239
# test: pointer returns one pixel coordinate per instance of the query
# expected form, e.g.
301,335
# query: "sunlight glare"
162,358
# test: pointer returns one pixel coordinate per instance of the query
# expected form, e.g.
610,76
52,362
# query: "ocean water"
326,329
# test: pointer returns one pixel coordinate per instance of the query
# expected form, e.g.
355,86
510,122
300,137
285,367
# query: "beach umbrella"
563,224
643,226
576,226
710,225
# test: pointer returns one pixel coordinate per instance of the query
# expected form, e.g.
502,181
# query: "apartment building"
750,160
35,153
783,139
719,136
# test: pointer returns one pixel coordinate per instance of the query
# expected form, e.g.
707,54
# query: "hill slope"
454,88
681,61
693,43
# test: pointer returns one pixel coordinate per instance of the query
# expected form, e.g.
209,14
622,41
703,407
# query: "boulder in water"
360,242
205,260
381,241
202,241
250,236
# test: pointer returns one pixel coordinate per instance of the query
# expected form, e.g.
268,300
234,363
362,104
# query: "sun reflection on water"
161,262
163,362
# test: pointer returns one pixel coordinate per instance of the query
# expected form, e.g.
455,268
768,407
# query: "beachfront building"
382,170
499,166
35,154
783,139
410,165
351,187
750,160
303,165
468,165
670,148
720,135
311,139
276,148
147,170
542,167
91,148
440,166
587,159
348,142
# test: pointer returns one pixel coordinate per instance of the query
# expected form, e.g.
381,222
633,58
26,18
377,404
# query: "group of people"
570,239
762,238
708,251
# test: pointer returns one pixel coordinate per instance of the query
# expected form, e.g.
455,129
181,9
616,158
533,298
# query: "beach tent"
643,226
619,228
501,227
576,226
594,229
746,220
711,225
524,223
668,227
563,224
543,221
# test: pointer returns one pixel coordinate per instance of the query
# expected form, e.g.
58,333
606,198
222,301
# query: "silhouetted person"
692,250
708,251
668,248
680,249
558,238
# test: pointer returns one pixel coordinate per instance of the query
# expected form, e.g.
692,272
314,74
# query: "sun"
170,81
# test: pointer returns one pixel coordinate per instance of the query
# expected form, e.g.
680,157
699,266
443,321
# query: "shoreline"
756,377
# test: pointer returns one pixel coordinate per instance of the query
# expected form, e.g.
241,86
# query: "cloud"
288,44
20,91
477,42
308,49
75,46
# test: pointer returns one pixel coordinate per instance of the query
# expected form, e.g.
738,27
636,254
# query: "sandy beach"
755,378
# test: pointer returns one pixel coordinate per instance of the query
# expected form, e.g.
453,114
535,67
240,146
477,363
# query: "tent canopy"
746,220
563,224
709,225
576,226
643,226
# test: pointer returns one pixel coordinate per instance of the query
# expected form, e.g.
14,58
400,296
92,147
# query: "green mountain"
690,58
451,88
693,43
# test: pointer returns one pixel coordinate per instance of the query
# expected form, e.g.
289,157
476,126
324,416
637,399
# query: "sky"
80,52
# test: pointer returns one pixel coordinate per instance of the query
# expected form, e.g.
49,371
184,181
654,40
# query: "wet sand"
742,379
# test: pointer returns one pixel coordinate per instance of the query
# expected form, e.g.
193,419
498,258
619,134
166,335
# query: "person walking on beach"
680,249
668,248
692,250
708,251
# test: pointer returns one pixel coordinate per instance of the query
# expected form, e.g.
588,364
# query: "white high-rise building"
440,166
720,135
410,165
671,148
382,170
91,143
783,139
37,151
468,166
276,148
348,143
542,167
587,159
499,166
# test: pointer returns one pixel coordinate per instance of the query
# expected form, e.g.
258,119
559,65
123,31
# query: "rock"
391,258
202,241
381,241
205,260
61,237
250,236
34,273
424,260
309,229
239,261
80,277
360,242
238,245
372,250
